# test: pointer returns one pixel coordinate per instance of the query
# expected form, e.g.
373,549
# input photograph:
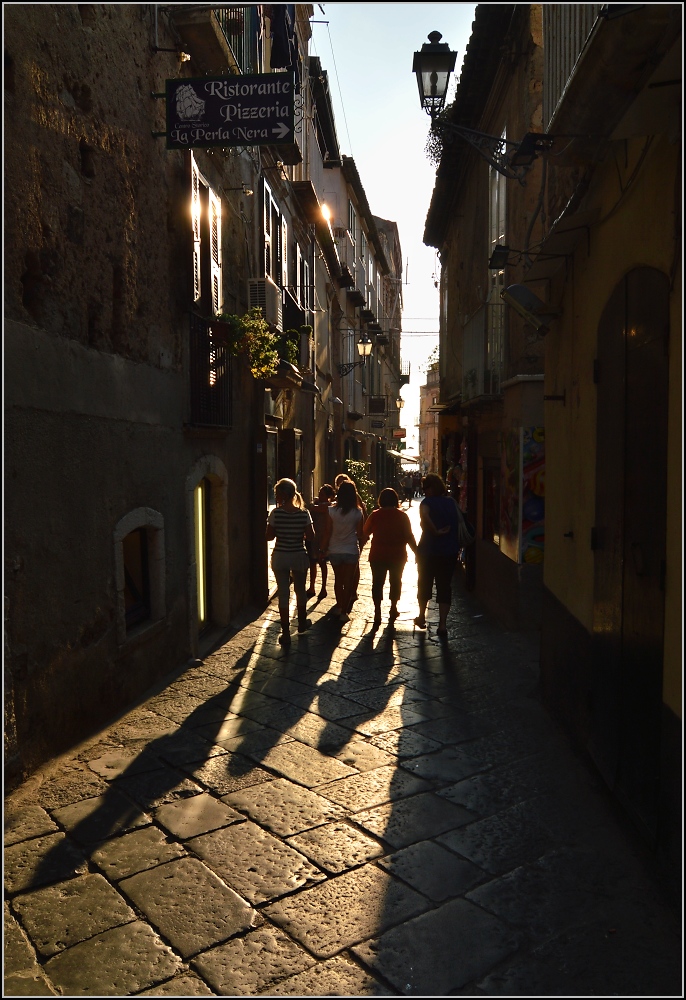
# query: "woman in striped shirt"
291,525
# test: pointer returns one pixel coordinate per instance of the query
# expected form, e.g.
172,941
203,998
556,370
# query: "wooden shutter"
267,231
298,274
216,251
284,253
195,215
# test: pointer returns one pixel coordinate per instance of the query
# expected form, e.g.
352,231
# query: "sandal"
311,592
284,639
420,623
304,625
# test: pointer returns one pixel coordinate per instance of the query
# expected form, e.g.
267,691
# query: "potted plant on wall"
249,334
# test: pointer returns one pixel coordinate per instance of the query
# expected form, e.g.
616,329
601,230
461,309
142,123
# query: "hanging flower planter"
223,333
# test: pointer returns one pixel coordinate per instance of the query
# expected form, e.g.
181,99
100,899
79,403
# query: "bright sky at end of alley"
367,50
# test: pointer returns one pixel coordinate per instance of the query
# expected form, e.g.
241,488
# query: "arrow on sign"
282,129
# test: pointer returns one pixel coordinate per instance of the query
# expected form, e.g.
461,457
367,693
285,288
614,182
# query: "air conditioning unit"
264,293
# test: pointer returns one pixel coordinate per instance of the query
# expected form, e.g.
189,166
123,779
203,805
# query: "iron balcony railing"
235,25
566,28
483,348
210,377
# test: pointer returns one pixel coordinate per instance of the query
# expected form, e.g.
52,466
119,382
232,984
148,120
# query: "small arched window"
139,559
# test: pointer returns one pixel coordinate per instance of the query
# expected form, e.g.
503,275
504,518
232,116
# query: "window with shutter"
267,231
195,216
284,253
298,274
216,251
307,291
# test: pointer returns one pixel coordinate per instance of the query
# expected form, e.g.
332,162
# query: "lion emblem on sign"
189,107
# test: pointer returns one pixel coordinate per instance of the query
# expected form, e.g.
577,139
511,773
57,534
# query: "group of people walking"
334,530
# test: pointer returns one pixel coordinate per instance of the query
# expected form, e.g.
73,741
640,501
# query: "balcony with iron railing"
483,352
566,29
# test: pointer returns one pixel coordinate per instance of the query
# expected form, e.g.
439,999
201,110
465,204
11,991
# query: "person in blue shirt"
437,550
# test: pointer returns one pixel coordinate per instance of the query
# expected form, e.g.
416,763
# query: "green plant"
251,333
289,347
365,487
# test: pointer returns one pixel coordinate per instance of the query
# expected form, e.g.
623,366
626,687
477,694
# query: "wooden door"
630,541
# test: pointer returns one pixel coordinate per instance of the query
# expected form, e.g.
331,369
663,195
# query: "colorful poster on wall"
533,494
510,499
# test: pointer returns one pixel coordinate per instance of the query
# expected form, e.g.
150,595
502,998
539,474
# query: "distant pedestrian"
437,551
416,485
391,533
408,488
291,525
319,510
342,543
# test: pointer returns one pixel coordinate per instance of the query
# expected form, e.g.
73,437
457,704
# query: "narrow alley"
372,812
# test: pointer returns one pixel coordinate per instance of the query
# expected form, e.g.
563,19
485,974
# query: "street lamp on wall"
432,66
364,349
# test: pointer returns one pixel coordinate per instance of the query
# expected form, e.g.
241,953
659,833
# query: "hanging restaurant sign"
230,111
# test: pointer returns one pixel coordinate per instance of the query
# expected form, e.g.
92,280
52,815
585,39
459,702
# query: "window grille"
210,376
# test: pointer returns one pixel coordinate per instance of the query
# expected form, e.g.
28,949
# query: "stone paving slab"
403,743
433,870
345,910
60,916
180,986
31,983
304,764
450,764
154,788
254,863
119,962
248,965
93,820
372,788
189,905
494,790
363,756
470,941
592,960
284,807
236,725
27,822
115,763
19,955
227,773
254,743
395,717
336,977
413,819
38,862
503,841
134,852
192,817
184,746
70,784
336,846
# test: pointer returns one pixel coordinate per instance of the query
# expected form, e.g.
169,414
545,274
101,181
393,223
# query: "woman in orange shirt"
391,533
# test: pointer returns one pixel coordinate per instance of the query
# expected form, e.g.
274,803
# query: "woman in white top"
291,525
342,542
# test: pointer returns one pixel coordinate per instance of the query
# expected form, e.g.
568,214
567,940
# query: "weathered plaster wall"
98,285
572,347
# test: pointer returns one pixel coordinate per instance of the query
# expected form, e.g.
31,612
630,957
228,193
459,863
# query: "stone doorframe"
212,468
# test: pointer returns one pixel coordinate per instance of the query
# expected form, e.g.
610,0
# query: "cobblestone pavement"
369,813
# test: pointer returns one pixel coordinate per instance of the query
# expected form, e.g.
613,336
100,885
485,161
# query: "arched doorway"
209,598
629,539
